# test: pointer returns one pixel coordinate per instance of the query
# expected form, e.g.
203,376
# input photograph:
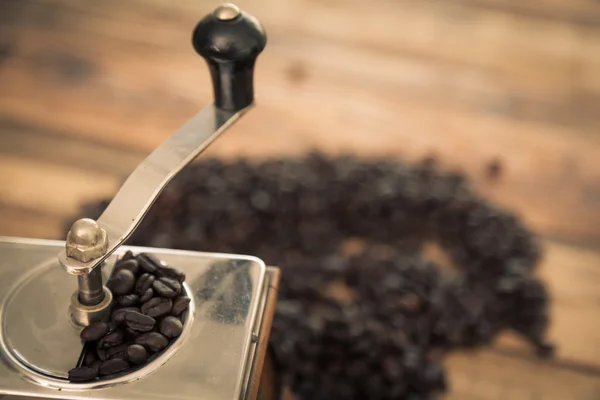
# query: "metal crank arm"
230,41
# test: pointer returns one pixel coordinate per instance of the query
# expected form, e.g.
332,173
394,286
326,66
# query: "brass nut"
86,241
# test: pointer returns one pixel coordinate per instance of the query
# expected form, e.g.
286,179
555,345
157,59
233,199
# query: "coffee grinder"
222,352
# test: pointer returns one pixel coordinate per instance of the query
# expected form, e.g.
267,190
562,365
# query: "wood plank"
486,375
333,116
50,189
573,281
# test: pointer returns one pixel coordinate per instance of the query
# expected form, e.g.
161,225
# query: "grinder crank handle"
230,41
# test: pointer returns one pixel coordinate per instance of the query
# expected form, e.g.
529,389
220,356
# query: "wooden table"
88,89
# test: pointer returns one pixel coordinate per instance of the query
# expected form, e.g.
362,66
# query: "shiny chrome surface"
226,12
210,360
82,315
147,181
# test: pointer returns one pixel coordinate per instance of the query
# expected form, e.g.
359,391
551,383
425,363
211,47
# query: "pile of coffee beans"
365,310
147,316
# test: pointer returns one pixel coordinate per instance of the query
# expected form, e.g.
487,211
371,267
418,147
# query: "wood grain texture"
88,89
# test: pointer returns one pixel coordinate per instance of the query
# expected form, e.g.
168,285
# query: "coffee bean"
170,272
157,307
180,304
148,262
94,331
118,316
170,327
96,365
147,295
113,366
139,322
101,353
131,265
90,357
117,351
82,374
166,287
127,256
131,334
112,339
121,282
144,282
137,354
152,341
378,312
128,300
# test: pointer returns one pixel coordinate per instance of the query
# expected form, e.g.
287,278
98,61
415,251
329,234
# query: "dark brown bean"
148,294
152,341
131,265
117,351
82,374
122,282
94,331
170,272
376,342
118,316
96,365
180,304
128,300
90,357
148,262
144,282
127,256
170,326
139,322
112,339
166,287
113,366
157,307
101,353
137,354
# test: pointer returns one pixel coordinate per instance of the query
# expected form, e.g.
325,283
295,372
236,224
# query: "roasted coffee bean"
112,339
112,325
94,331
152,341
118,316
119,351
148,262
113,366
147,295
90,357
82,374
139,322
137,354
180,304
170,272
157,307
167,287
131,334
96,365
144,282
359,319
170,326
131,265
101,353
128,300
127,256
121,282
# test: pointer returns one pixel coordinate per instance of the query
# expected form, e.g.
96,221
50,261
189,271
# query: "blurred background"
489,87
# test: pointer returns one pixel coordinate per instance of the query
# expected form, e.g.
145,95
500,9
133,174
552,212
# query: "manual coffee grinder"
221,351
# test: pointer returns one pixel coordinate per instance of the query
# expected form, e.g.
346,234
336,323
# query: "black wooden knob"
230,40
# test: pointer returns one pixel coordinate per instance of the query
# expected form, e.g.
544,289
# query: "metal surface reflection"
211,360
